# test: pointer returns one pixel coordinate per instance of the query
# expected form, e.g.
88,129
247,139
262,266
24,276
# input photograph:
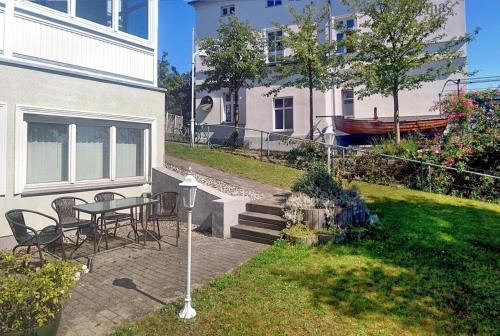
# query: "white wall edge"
3,148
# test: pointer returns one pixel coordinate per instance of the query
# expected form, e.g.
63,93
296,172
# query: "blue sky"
177,20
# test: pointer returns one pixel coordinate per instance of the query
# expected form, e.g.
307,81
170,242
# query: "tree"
178,86
399,46
234,59
312,62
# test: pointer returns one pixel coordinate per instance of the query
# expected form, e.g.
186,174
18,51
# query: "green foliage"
178,86
305,153
312,61
431,269
391,47
299,230
317,183
31,297
234,59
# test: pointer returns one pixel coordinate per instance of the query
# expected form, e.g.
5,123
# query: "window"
275,49
348,103
92,152
343,27
227,10
47,154
283,114
129,152
58,5
340,47
58,149
272,3
228,107
133,17
98,11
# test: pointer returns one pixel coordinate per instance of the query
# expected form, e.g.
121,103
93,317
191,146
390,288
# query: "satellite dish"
206,104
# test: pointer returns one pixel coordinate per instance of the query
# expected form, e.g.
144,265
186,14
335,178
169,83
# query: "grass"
431,268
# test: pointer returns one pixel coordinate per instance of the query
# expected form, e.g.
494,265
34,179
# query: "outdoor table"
101,208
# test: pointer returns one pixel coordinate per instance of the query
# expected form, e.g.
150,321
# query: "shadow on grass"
430,266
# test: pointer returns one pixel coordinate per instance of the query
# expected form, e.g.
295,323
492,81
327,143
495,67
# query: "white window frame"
283,108
342,20
352,99
275,54
3,149
225,103
21,142
71,18
228,7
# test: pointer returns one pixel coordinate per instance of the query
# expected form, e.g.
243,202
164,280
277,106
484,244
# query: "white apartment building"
288,113
80,110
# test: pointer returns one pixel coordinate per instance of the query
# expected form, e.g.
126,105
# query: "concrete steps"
262,222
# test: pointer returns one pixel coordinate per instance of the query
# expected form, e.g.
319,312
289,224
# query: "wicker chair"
27,236
112,216
166,209
69,218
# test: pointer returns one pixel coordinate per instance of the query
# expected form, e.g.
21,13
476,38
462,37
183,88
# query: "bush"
317,183
31,297
307,152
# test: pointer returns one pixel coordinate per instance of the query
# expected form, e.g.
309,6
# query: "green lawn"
431,268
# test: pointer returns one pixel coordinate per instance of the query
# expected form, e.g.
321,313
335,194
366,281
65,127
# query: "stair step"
262,220
265,208
252,233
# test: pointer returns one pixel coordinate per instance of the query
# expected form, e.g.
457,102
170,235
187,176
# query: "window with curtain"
133,17
47,153
92,152
98,11
59,5
129,152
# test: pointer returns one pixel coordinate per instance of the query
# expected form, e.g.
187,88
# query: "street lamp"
329,137
188,193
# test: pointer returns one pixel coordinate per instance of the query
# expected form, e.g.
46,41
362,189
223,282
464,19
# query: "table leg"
91,258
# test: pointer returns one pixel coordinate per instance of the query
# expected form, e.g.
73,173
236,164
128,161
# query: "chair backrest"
167,203
17,224
107,196
63,206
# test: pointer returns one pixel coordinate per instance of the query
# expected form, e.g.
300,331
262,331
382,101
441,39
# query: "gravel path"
222,186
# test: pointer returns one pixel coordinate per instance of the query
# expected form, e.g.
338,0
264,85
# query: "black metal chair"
113,216
69,218
27,236
167,209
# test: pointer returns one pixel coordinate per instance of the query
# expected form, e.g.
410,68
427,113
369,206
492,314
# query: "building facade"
80,110
288,112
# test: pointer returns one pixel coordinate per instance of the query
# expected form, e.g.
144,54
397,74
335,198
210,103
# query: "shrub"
295,206
31,297
299,230
306,153
317,183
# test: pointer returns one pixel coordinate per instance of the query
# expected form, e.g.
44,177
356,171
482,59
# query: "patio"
132,280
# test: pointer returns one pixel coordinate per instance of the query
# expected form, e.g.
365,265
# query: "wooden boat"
386,125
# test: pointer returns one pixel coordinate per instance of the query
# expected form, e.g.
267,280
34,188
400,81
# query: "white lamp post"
329,141
188,193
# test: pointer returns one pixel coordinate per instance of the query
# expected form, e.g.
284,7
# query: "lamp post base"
187,312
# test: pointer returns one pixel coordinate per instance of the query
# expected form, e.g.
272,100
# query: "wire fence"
350,163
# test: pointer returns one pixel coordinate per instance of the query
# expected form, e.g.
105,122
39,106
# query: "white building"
80,110
288,113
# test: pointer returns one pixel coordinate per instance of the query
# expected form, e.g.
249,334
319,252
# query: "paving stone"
134,280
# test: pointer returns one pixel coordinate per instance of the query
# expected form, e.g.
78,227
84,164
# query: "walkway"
131,281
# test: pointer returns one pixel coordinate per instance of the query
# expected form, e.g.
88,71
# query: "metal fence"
353,163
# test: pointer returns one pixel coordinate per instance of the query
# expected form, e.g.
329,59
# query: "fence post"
261,144
429,172
267,143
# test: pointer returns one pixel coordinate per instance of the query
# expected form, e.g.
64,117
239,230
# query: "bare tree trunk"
311,107
395,97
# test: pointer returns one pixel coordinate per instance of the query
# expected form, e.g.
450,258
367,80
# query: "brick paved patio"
132,280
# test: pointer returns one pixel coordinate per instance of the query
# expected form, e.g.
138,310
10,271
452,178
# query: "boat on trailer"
380,126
